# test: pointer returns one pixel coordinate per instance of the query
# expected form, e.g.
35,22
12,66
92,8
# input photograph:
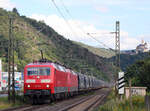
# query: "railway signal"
121,83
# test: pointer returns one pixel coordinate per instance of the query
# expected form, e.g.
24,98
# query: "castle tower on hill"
143,47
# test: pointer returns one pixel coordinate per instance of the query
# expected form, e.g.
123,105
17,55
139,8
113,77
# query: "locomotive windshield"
42,71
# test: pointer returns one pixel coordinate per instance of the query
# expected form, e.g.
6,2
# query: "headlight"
28,86
47,86
30,81
45,81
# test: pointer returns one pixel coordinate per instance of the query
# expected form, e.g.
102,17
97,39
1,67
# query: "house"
143,47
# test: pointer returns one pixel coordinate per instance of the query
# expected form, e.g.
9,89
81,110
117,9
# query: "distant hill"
127,60
127,57
32,36
98,51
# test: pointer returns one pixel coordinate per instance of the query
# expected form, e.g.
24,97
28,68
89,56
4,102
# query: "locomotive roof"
55,65
59,67
39,63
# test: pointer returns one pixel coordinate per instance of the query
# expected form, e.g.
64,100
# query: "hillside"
127,60
97,51
30,39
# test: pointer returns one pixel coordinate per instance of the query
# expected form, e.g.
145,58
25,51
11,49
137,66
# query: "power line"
66,9
68,12
98,41
82,30
79,26
110,42
63,17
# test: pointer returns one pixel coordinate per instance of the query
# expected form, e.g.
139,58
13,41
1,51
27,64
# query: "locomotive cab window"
42,71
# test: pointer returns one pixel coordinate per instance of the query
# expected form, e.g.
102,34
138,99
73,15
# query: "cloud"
6,4
102,9
128,42
100,2
80,29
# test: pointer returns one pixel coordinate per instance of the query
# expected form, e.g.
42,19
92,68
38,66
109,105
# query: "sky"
96,17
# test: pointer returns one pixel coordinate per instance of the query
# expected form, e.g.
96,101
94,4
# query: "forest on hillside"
127,60
139,73
31,36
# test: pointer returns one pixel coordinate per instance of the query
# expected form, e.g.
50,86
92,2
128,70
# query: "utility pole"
117,52
117,46
9,56
13,71
11,75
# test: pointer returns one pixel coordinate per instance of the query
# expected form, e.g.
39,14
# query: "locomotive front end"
38,81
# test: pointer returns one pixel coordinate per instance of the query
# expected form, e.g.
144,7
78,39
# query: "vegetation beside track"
114,104
139,73
4,103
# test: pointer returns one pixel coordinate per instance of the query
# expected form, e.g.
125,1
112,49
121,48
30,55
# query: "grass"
98,51
4,103
148,93
114,104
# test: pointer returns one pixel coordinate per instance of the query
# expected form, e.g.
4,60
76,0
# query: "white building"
143,47
4,78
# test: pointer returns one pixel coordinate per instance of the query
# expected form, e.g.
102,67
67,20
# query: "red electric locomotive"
47,80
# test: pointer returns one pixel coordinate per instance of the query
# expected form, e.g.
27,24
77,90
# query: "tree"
140,73
15,11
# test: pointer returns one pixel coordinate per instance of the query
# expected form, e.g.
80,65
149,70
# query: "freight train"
48,80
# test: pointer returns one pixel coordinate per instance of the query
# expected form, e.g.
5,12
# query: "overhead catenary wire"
68,12
61,14
99,41
81,29
65,8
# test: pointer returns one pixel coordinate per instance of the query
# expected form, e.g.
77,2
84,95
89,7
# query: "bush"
124,105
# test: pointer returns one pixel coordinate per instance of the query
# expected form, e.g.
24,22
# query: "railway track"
76,104
85,105
25,108
79,103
